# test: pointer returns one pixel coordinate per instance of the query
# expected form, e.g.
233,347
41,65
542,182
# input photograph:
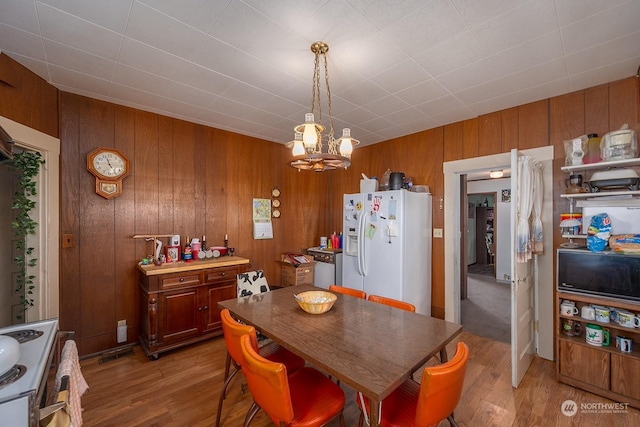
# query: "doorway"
455,177
46,298
485,305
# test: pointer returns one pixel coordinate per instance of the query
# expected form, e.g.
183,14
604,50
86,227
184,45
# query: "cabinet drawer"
169,281
220,274
584,363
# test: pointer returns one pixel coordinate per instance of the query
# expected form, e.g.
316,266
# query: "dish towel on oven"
70,365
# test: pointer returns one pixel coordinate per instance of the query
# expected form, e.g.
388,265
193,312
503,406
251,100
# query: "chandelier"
309,150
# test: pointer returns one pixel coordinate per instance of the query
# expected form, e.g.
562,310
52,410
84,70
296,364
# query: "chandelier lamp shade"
312,149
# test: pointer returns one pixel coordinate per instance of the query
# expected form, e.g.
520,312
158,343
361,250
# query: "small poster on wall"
262,227
506,195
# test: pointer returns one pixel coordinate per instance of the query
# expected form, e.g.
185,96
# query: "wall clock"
275,192
109,166
276,213
275,203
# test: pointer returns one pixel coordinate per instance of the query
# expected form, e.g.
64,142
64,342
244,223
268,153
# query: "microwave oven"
607,274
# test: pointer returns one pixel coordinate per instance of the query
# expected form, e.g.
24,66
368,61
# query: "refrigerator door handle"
362,256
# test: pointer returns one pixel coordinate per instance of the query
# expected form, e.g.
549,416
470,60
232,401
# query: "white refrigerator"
387,245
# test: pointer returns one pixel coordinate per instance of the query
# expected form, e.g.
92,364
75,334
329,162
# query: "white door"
522,294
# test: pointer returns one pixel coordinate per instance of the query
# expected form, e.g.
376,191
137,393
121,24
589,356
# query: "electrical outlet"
437,232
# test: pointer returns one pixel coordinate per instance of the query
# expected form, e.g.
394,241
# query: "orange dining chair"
233,331
428,402
304,398
348,291
393,303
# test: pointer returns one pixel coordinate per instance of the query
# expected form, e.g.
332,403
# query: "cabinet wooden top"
177,267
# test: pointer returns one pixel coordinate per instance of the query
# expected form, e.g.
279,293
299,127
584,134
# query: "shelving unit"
616,198
603,370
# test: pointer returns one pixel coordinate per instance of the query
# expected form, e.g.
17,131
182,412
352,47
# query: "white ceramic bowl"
9,353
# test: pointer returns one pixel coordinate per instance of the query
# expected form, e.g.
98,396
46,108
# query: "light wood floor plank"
181,388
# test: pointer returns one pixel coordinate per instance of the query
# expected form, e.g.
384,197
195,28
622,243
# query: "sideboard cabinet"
179,302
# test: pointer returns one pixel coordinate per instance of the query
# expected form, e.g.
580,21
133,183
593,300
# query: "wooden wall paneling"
96,239
596,110
126,284
566,121
623,104
490,134
433,143
70,206
200,165
27,98
470,138
184,178
223,183
453,142
510,128
167,223
533,125
146,174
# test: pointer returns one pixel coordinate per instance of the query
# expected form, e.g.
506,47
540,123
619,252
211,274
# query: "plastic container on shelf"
619,145
593,149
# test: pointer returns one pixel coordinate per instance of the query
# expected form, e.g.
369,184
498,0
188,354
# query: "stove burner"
24,335
12,375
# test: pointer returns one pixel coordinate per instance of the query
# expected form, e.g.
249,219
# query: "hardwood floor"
181,388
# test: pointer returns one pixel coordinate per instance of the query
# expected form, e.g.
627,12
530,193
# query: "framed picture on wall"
506,195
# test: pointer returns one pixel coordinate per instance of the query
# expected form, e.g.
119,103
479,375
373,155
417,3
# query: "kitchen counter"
181,266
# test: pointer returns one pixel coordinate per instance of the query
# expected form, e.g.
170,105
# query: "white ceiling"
395,67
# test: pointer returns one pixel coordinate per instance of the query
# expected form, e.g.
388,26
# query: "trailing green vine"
28,164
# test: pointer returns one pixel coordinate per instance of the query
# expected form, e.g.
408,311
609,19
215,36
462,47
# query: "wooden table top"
371,347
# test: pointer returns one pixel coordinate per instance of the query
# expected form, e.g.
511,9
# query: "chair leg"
251,413
223,395
227,365
361,419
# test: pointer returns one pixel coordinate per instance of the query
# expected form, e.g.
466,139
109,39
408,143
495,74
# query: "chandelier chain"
331,143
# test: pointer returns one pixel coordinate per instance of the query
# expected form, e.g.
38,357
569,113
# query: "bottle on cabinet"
187,254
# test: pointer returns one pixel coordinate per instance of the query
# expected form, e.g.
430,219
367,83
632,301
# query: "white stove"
20,399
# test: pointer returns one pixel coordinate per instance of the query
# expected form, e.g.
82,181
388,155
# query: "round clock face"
276,214
275,192
109,164
275,203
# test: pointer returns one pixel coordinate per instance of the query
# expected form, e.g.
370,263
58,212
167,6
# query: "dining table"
371,347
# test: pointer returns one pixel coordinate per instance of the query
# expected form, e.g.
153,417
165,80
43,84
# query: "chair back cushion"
348,291
393,303
268,383
441,388
233,332
251,282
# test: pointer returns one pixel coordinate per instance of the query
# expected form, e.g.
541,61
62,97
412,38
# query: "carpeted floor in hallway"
487,310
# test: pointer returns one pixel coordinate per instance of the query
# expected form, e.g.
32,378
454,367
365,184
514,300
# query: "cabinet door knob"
206,307
199,308
181,279
224,273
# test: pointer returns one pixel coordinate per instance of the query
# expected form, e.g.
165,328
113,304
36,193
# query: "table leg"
374,410
443,355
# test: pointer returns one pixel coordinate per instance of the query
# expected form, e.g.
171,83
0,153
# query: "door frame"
47,297
453,172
